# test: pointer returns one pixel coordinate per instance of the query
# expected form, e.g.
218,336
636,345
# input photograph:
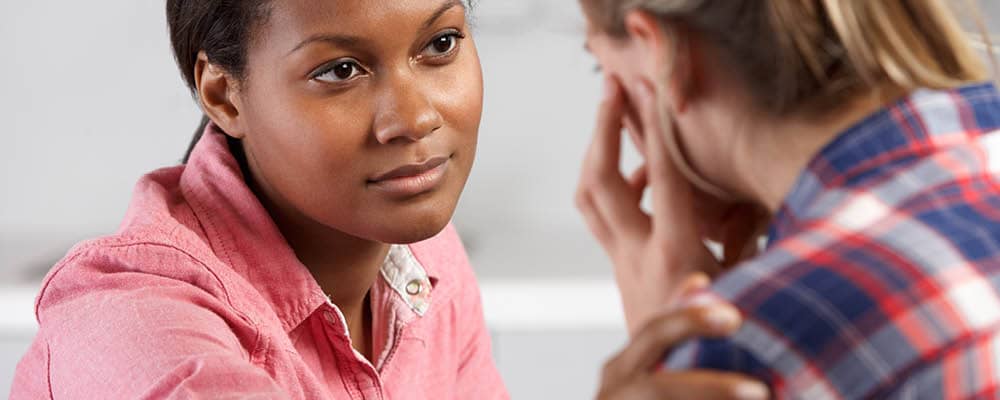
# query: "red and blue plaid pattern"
882,276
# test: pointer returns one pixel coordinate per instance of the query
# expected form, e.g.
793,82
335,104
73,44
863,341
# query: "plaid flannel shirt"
882,274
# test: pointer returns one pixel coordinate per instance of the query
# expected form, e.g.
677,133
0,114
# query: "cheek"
301,142
459,100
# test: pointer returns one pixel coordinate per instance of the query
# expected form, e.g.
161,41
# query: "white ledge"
518,305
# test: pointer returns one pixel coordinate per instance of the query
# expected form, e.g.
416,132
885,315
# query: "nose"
405,111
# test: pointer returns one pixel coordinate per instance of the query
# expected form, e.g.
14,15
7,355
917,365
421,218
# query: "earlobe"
217,93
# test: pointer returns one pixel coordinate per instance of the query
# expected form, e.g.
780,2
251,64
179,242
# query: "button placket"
408,278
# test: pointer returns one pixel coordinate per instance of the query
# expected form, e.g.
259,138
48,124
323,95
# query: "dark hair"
223,29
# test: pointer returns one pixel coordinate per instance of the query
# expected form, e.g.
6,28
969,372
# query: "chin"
414,232
412,220
410,226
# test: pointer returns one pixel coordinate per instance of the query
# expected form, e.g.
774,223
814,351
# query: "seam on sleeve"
48,369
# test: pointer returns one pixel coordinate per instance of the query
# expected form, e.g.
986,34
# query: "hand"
632,374
736,225
653,254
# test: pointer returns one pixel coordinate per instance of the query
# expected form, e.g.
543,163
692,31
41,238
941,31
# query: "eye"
338,71
443,45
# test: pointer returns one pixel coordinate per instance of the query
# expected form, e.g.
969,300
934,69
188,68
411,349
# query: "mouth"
414,179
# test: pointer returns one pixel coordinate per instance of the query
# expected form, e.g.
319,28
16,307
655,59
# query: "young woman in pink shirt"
303,250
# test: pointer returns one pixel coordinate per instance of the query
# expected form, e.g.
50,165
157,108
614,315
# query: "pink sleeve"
108,335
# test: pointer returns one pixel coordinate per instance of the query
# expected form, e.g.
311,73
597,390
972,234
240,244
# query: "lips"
411,170
413,179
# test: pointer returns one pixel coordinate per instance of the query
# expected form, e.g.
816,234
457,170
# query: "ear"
667,54
218,94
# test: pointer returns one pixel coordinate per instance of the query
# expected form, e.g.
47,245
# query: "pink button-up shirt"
199,296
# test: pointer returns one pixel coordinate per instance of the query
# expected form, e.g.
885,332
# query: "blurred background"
90,100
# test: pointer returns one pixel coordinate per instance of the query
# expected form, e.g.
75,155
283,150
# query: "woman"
265,266
303,251
867,130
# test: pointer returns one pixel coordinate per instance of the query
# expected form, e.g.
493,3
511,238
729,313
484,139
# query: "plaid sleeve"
820,336
723,355
963,371
810,331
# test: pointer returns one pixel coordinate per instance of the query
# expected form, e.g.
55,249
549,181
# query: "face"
700,101
362,115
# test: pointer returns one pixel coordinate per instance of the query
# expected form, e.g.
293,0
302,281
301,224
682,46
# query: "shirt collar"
243,235
919,125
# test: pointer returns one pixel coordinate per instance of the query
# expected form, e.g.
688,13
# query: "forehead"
355,16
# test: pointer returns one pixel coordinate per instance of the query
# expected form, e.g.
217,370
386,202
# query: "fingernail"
701,299
699,282
724,317
752,391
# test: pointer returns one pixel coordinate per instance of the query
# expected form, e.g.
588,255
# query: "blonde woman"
865,130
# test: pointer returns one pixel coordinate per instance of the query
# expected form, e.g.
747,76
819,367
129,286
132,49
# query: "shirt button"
414,287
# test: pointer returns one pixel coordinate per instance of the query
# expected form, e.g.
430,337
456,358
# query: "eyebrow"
355,41
440,11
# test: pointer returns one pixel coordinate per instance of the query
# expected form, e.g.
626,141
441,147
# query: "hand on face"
653,254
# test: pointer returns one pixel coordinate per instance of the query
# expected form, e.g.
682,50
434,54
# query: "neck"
344,266
771,154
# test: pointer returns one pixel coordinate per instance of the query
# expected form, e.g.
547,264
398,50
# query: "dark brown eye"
442,45
343,71
339,71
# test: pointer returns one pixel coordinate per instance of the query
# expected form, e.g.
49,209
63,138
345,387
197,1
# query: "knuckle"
608,104
582,199
608,372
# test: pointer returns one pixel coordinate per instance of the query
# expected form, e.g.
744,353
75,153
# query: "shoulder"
159,240
117,267
852,316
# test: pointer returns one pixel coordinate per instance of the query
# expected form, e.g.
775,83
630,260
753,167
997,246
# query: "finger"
670,191
639,180
595,165
694,284
614,201
604,154
657,337
708,385
597,226
634,132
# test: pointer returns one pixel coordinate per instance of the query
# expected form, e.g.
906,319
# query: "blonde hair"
811,55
